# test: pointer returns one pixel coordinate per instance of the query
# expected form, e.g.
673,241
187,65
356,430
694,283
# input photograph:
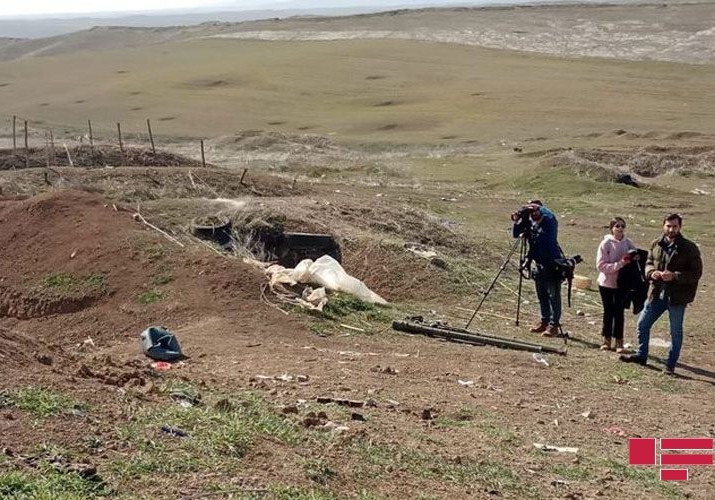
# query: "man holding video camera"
539,226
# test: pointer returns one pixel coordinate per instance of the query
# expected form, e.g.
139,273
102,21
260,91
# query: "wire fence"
27,143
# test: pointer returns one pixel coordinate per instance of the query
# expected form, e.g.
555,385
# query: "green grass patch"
648,477
347,309
228,428
318,470
65,283
43,402
449,423
571,472
283,492
341,305
163,277
151,297
48,484
623,373
487,473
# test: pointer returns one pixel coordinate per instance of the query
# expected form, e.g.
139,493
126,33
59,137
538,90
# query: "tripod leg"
522,254
491,286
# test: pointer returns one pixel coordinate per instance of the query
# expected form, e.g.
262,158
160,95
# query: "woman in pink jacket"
611,257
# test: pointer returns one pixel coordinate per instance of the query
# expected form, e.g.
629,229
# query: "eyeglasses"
620,226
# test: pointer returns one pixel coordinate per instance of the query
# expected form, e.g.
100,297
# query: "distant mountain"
41,28
634,32
229,11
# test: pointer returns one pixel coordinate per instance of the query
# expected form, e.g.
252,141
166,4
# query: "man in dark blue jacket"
544,249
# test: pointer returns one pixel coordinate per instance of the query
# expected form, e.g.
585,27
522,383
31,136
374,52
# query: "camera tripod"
521,244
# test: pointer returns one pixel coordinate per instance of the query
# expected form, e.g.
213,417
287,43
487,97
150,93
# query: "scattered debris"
45,359
343,402
160,344
351,327
161,366
656,342
587,414
357,416
427,414
173,431
467,383
540,358
87,344
421,250
559,449
280,378
387,370
335,428
185,398
289,409
615,430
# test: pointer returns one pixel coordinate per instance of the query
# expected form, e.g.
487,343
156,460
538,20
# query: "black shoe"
669,371
632,358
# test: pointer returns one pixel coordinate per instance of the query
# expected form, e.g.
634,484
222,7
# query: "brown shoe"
619,346
606,346
540,328
552,331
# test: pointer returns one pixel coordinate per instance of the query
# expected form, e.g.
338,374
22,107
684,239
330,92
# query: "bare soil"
453,420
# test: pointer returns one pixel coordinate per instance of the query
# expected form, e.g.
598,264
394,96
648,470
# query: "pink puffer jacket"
609,259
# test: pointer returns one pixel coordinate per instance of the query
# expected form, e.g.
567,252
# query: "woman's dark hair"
615,221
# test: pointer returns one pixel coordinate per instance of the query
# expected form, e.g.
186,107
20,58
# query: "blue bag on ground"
159,343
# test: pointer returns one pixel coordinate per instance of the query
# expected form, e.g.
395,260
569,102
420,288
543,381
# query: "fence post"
151,137
203,156
52,147
27,149
119,133
47,148
91,136
14,134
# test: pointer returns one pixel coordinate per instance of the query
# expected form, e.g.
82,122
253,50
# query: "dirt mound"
70,251
650,161
39,303
16,348
84,156
277,142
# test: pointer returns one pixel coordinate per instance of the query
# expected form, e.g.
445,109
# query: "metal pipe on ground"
472,338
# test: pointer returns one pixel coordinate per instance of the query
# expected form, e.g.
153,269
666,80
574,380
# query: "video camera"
568,263
522,219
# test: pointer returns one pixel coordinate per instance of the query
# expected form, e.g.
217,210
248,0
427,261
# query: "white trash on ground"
540,358
656,342
326,272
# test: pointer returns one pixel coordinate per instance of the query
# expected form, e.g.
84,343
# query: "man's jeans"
652,311
548,290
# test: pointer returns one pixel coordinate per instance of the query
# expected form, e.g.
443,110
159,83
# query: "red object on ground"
161,366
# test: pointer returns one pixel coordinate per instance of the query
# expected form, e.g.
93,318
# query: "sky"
70,7
36,7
